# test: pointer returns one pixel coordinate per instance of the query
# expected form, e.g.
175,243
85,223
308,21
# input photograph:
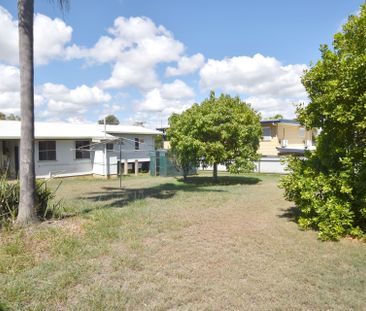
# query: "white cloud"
9,102
135,46
9,89
257,75
270,106
268,84
71,102
50,38
8,38
186,65
9,78
169,98
176,90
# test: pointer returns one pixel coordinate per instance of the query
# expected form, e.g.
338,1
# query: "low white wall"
264,165
270,165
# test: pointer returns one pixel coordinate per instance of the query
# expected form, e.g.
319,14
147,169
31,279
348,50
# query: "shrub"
9,201
325,200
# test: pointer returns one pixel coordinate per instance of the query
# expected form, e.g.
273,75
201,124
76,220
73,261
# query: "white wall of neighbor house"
106,159
270,165
263,165
66,162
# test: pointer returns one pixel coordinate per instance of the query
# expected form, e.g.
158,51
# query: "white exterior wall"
264,165
65,163
270,165
108,159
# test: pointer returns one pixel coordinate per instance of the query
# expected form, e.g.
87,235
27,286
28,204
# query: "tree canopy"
109,119
330,186
221,130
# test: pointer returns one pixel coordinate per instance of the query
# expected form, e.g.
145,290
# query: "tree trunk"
27,213
215,172
185,173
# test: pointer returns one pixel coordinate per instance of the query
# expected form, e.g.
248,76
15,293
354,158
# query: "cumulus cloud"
265,81
9,89
9,78
255,75
134,46
8,37
50,38
170,97
71,102
186,65
270,106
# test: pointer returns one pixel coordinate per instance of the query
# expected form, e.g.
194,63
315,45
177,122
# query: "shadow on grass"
292,213
221,181
116,197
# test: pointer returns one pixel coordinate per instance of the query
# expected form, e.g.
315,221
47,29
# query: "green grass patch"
159,243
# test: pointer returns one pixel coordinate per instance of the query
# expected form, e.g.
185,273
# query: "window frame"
137,143
267,137
80,154
108,146
302,132
46,150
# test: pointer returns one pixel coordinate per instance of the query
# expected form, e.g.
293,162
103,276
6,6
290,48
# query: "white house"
65,149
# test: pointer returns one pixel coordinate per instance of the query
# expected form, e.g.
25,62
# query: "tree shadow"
292,213
117,197
221,181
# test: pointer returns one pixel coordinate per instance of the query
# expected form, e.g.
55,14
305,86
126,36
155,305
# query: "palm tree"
27,212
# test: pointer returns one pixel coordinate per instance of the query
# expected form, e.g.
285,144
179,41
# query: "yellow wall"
279,132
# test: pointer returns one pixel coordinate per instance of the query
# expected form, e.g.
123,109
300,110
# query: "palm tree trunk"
26,213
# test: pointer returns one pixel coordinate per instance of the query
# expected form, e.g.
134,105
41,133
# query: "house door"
16,160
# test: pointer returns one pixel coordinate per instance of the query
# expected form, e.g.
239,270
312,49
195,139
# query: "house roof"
47,130
128,129
280,121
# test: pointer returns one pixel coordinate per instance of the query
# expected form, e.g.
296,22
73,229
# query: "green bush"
324,198
9,201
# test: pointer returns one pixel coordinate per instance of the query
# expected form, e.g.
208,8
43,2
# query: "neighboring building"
65,149
282,137
279,137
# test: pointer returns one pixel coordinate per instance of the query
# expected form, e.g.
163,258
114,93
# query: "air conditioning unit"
284,143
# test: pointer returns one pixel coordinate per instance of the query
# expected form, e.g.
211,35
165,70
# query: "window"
81,145
47,150
266,132
110,146
137,144
302,132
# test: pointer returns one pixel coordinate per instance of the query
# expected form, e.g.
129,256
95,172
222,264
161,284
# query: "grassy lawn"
162,244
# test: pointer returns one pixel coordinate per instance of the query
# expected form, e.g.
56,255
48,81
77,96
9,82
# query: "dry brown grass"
159,244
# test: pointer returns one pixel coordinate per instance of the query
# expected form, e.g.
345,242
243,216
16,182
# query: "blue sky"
142,60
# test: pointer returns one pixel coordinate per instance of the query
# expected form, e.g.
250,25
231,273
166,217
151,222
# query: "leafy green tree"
329,187
13,117
109,119
159,142
222,130
276,116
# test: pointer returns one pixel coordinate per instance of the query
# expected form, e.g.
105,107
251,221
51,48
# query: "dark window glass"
47,150
80,146
110,146
137,144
